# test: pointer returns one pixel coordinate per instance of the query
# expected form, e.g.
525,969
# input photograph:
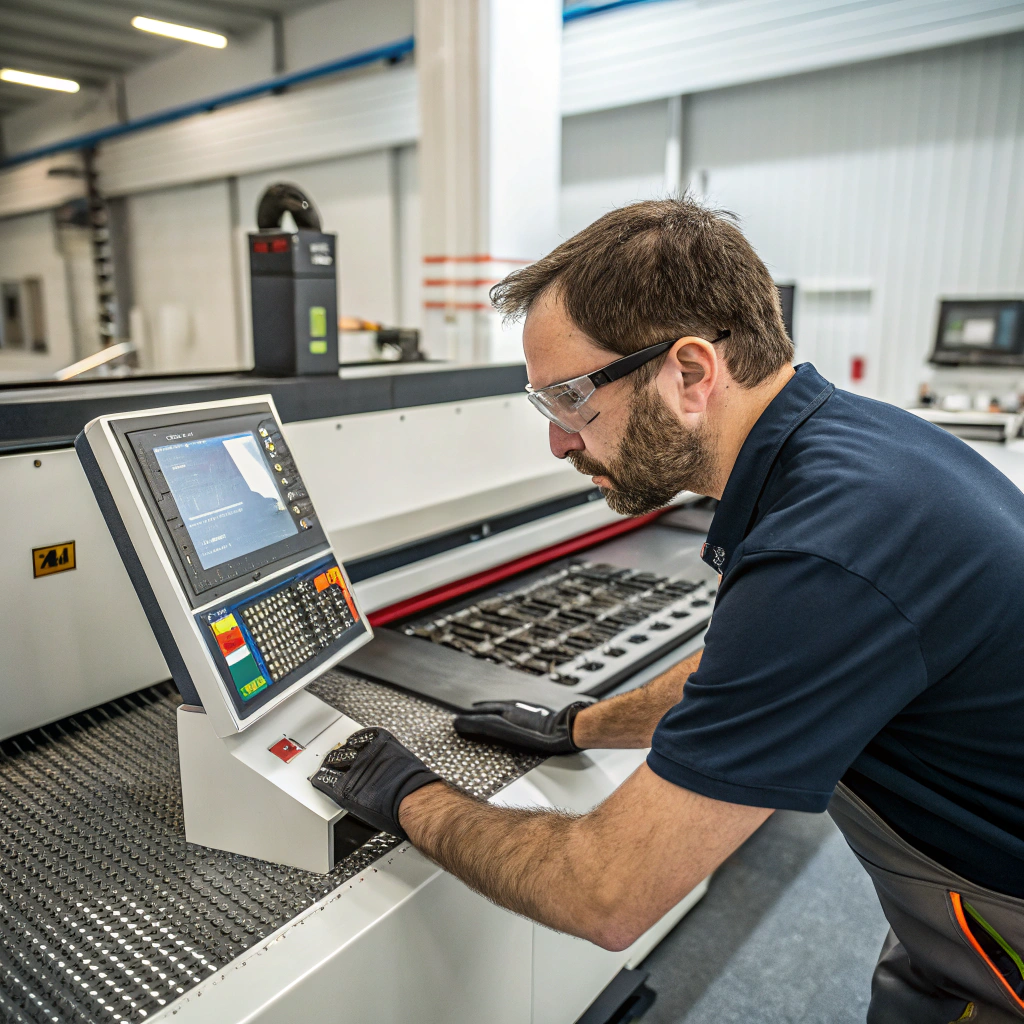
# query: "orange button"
322,582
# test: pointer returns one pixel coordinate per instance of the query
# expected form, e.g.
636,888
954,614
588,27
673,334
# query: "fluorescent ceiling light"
189,35
39,81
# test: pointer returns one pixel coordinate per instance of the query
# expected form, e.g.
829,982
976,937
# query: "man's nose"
562,442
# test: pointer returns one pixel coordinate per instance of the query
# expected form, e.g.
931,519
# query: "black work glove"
369,775
521,725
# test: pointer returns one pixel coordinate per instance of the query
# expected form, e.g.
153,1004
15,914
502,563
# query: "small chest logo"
717,556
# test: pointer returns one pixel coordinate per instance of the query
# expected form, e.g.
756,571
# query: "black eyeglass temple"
627,364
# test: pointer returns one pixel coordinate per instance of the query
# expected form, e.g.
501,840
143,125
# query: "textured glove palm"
526,726
370,775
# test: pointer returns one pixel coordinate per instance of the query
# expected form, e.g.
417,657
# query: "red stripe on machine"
411,605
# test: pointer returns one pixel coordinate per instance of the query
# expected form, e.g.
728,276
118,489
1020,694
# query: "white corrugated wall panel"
371,111
656,50
879,188
610,158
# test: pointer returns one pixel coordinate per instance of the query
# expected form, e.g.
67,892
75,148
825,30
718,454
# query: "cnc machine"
164,855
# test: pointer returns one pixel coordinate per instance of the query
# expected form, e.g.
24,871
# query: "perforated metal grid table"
106,912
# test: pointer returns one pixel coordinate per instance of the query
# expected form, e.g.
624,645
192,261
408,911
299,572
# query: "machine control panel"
279,633
223,542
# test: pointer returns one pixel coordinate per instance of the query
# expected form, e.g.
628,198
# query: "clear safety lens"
566,404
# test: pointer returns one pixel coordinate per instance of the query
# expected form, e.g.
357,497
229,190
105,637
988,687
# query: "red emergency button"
286,749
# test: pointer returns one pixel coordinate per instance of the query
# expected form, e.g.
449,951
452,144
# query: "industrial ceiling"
93,42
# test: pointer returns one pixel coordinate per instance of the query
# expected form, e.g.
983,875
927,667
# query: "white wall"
652,51
611,158
195,72
183,269
58,117
28,248
878,188
884,186
331,30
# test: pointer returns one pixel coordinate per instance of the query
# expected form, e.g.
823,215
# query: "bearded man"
866,654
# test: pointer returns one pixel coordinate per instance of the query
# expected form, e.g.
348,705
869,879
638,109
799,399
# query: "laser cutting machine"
181,853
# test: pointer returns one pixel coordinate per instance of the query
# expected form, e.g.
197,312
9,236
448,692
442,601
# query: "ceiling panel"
92,41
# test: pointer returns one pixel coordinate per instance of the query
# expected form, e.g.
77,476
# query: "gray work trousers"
954,948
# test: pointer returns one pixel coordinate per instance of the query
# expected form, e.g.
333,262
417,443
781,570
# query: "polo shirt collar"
805,391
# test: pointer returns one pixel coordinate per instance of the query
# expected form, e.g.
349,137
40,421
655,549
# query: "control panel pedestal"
249,793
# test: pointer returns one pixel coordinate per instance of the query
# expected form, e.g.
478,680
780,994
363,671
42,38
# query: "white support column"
489,157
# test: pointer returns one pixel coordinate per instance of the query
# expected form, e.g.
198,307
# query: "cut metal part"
106,913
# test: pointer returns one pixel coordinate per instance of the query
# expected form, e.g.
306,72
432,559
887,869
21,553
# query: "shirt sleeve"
804,663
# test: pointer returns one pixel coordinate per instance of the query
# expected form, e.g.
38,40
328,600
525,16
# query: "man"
866,653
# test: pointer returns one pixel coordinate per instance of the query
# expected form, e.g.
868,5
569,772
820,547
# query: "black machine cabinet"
294,302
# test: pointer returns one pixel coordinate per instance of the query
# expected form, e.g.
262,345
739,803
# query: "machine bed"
106,913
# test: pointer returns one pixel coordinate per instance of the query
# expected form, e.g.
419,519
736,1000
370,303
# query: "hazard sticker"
55,558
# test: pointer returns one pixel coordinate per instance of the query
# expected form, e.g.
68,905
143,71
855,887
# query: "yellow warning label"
55,558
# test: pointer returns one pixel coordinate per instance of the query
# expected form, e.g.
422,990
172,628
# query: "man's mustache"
584,464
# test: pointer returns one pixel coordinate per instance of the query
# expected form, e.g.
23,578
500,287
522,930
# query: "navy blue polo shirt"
869,627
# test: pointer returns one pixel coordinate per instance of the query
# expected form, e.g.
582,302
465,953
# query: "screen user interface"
226,496
982,328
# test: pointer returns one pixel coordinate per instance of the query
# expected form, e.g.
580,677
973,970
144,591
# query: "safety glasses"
565,404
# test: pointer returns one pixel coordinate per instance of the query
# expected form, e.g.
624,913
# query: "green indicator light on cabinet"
318,348
318,322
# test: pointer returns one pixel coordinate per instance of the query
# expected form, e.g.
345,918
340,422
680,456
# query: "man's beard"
657,458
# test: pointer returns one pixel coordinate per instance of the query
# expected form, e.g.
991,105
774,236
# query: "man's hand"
522,725
369,775
624,722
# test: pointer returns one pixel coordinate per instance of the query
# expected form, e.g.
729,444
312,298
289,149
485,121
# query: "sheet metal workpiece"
106,912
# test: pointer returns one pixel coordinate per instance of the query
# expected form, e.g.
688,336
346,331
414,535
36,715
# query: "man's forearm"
628,721
516,857
606,876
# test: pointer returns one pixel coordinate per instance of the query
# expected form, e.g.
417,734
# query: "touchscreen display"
226,496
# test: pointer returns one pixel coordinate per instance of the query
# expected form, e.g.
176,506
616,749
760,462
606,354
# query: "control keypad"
292,625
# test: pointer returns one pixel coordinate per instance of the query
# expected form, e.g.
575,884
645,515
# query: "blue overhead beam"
585,10
392,51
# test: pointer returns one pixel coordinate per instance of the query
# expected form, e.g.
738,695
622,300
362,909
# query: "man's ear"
692,368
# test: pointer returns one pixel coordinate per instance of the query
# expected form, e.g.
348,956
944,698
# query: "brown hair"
660,269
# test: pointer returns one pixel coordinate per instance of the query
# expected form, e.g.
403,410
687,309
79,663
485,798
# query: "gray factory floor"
788,933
